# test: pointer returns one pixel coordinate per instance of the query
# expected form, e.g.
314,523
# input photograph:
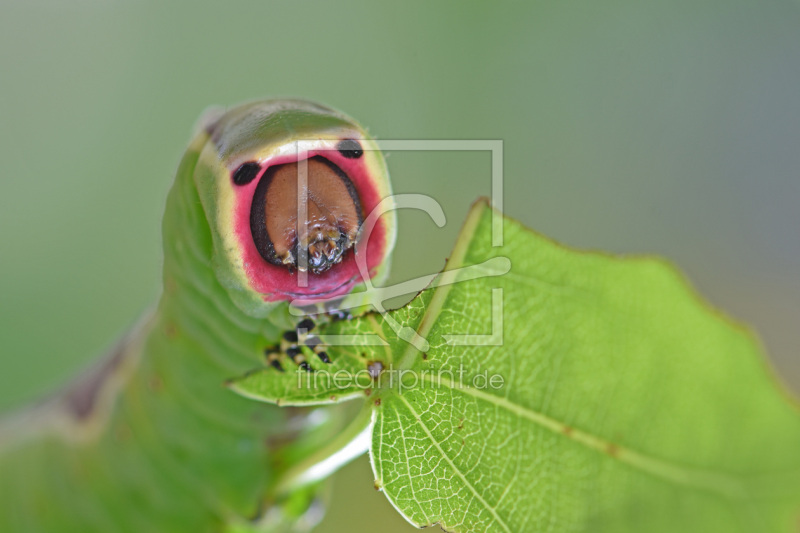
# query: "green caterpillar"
150,440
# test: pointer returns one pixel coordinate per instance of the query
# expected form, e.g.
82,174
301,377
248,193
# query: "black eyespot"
246,173
350,148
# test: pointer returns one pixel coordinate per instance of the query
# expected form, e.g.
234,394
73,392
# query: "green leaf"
594,394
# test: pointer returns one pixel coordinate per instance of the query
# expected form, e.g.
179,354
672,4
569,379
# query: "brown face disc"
330,227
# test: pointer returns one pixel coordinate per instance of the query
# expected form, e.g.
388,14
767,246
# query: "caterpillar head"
286,186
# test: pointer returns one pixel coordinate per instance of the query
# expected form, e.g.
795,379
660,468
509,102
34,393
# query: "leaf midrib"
716,482
441,291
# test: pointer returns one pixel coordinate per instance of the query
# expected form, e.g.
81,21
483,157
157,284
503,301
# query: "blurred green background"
646,127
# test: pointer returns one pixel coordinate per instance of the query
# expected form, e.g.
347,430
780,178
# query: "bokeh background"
637,127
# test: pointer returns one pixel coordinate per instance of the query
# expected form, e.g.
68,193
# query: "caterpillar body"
150,440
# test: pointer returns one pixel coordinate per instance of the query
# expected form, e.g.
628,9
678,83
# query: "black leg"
291,347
